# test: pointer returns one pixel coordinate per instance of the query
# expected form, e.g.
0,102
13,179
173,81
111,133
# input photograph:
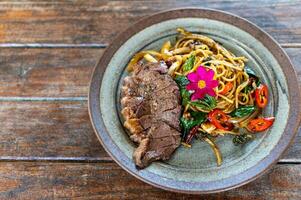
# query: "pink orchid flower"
202,83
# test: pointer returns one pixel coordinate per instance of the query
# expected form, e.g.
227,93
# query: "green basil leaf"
186,126
208,103
189,63
182,81
202,135
248,89
258,82
199,104
251,73
198,118
242,139
242,111
185,94
211,101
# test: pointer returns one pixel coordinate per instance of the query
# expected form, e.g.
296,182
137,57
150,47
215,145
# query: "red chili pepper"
220,120
260,124
261,96
227,88
253,94
191,134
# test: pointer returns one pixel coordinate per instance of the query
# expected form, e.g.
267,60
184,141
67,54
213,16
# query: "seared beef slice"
150,101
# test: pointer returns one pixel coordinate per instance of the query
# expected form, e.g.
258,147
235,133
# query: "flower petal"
192,86
211,92
212,83
193,77
199,94
201,71
210,74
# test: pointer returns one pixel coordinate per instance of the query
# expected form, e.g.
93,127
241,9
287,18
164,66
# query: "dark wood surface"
95,22
48,149
107,180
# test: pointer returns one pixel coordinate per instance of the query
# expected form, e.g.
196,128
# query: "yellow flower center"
201,84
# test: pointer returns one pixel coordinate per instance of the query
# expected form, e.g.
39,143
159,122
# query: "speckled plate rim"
181,186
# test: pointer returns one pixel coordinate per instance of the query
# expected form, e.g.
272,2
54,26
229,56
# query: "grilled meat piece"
150,101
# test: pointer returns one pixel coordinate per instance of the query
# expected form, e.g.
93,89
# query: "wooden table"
48,149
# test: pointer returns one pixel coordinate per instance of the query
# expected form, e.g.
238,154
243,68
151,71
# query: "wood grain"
47,129
59,130
43,107
46,72
23,180
64,72
99,21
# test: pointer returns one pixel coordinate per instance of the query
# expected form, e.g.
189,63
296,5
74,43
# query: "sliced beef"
171,117
163,140
151,108
144,109
131,102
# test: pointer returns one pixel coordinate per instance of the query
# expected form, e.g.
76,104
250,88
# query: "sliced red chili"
261,96
227,88
260,124
220,120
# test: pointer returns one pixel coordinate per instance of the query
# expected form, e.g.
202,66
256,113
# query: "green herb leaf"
182,81
242,111
186,126
258,82
252,74
242,139
189,63
202,135
248,89
198,118
208,103
185,94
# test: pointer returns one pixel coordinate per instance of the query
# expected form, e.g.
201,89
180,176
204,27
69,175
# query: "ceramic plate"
194,170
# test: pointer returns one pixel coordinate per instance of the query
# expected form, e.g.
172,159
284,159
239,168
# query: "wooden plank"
60,130
47,129
27,72
46,72
98,21
22,180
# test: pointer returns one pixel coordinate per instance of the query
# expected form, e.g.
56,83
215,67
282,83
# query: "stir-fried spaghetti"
220,95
